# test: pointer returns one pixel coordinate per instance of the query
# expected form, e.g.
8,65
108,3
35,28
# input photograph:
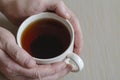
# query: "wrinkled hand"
18,10
16,64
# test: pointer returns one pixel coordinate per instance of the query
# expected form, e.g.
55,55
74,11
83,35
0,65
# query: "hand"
18,10
16,64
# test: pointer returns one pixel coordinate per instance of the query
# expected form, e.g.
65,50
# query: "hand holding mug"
17,64
49,39
17,11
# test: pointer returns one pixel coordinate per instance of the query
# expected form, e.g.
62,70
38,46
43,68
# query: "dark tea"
45,38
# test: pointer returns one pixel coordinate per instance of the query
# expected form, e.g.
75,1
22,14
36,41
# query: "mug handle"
75,61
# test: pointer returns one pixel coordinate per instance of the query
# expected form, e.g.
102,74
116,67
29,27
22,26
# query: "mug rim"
52,16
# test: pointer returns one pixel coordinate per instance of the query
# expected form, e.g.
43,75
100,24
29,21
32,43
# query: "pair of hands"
17,64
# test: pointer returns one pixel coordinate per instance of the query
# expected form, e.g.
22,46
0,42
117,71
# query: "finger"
58,7
20,55
55,68
7,66
20,77
61,9
44,70
36,73
77,31
8,44
59,74
11,69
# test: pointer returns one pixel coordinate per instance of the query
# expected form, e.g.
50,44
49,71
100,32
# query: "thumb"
19,55
59,8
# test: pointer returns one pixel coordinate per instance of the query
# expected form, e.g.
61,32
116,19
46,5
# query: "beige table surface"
100,23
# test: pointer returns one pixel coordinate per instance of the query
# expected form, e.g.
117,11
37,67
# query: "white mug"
68,56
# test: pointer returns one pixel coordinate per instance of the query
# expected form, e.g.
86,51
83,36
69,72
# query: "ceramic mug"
68,55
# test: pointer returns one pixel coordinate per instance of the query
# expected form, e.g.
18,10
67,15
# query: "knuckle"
15,54
25,58
9,71
56,4
37,75
34,9
18,56
51,70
